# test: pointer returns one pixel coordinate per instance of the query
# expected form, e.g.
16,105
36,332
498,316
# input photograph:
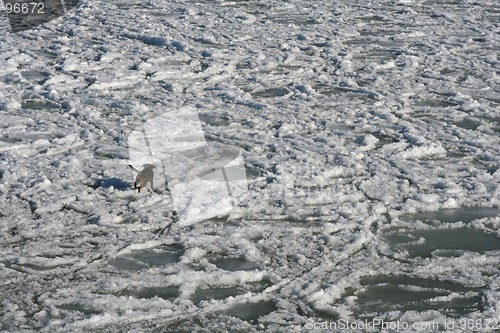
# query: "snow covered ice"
369,132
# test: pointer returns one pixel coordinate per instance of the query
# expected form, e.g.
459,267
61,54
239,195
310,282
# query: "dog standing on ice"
143,177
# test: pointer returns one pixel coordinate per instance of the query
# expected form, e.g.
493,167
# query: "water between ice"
379,294
445,236
448,240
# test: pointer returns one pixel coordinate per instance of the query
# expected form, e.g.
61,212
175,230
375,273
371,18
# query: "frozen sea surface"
370,133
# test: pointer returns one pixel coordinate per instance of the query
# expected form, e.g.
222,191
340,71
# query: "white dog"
144,176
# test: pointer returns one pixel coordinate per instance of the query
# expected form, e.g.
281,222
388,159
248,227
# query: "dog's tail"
133,169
